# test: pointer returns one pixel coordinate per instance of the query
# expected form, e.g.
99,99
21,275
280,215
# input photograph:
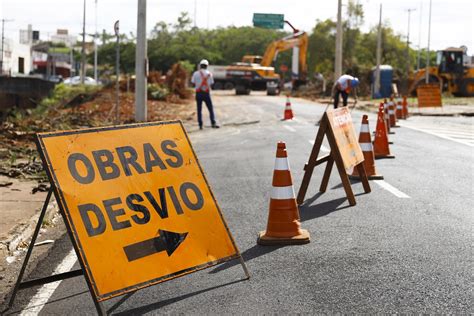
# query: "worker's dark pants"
344,95
206,97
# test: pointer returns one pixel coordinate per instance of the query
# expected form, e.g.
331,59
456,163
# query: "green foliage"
157,92
180,42
62,93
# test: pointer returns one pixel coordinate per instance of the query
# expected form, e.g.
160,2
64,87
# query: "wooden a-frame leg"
309,167
327,173
363,177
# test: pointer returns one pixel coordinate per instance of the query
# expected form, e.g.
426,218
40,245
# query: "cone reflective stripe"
405,108
283,218
288,114
381,144
283,193
365,143
366,146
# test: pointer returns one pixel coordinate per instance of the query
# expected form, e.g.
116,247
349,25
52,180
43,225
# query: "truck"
221,81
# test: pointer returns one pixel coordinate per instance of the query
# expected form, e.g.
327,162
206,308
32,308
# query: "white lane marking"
440,135
291,129
323,148
43,295
391,189
300,121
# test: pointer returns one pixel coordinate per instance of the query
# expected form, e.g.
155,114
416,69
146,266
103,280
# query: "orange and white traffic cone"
386,107
405,107
288,114
365,143
399,112
391,113
283,226
381,143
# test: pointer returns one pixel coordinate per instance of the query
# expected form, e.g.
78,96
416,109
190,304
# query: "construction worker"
343,86
202,80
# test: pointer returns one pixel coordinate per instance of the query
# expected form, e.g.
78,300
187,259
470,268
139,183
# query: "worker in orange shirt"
343,86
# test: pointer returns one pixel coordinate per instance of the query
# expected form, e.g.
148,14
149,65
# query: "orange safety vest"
348,89
204,87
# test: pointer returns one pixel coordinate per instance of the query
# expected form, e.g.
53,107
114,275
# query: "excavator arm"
299,39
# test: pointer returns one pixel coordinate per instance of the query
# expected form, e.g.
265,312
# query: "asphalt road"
407,250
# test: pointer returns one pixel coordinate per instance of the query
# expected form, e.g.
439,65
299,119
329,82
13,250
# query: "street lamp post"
83,52
141,65
408,52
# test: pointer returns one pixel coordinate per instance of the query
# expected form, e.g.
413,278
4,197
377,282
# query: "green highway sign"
268,20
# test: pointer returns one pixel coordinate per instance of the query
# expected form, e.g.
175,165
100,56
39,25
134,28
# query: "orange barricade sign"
343,129
429,95
137,204
337,126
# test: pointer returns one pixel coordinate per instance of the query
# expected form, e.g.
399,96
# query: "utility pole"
427,75
408,52
141,65
195,12
338,57
95,45
83,52
418,58
3,40
378,56
117,71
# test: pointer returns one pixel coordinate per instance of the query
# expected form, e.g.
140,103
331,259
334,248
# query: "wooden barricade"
337,126
429,95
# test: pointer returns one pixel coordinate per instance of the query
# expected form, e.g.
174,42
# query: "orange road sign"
429,95
136,203
340,121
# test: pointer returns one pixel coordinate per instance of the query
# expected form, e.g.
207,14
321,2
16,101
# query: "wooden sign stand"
334,156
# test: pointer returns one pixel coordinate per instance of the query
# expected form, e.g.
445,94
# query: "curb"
23,232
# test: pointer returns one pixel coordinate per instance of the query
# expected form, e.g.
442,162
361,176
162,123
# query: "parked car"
56,78
77,80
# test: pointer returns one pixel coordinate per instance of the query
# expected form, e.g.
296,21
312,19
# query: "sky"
452,21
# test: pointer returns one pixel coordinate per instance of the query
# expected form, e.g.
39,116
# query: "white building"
62,36
17,59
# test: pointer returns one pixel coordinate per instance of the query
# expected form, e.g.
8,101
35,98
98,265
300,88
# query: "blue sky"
452,21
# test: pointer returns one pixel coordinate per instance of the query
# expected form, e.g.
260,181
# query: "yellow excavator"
256,73
454,72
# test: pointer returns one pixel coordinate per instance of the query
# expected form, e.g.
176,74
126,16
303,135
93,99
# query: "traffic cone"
365,143
399,112
387,116
288,115
283,226
405,107
391,114
381,147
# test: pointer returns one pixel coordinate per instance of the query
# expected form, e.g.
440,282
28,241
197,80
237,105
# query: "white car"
77,80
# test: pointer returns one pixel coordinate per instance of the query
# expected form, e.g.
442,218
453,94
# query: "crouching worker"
343,86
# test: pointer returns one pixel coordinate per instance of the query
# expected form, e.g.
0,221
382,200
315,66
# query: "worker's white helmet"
204,62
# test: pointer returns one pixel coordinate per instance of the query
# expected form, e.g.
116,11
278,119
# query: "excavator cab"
450,61
252,59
